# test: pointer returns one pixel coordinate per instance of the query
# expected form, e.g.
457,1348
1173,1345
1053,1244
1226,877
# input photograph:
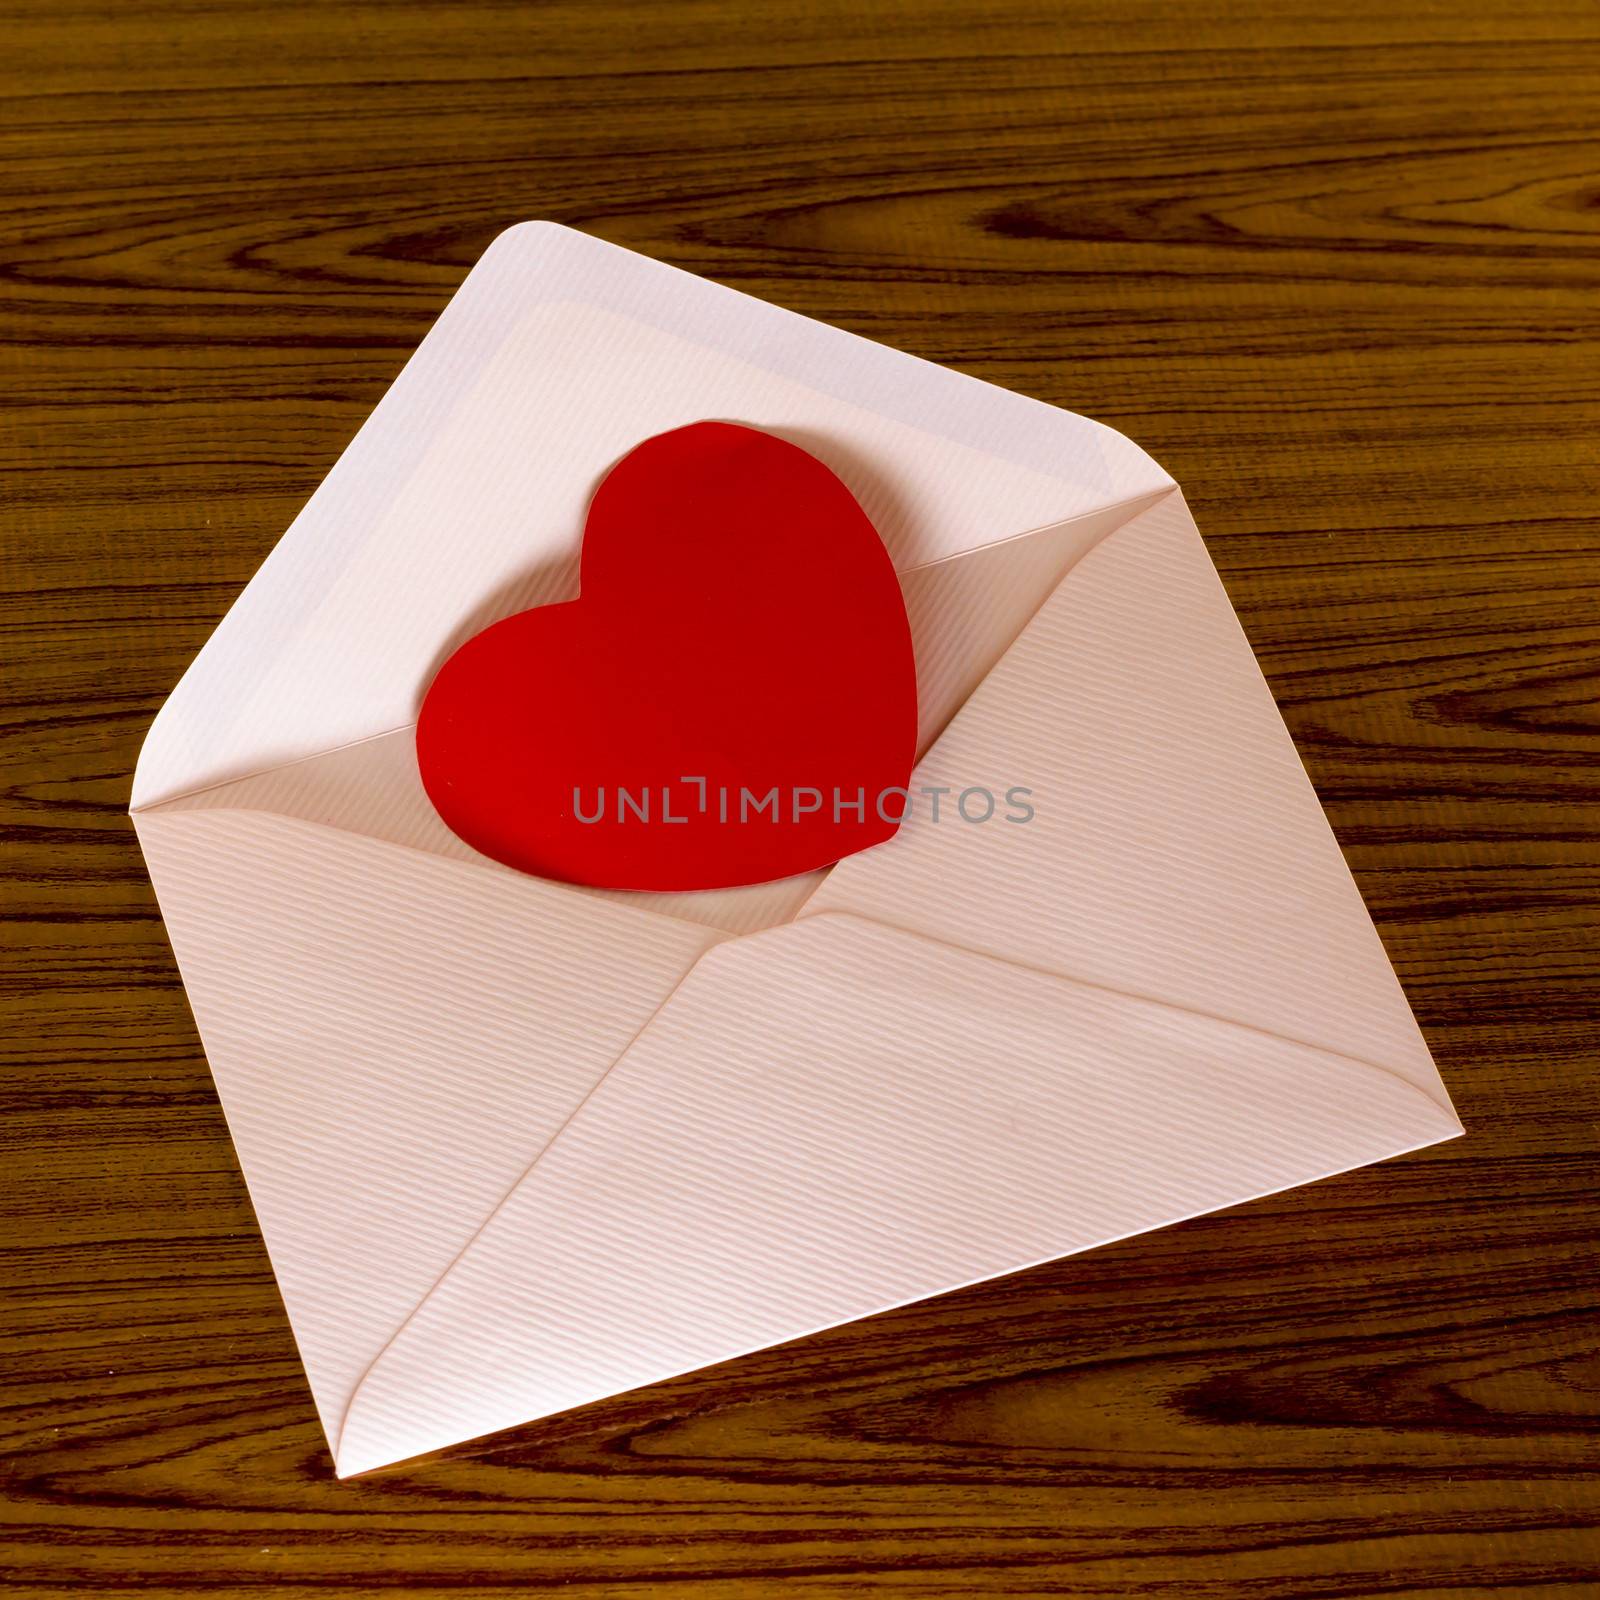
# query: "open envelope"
517,1145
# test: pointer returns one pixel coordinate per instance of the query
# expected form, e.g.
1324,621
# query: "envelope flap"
833,1118
394,1037
462,498
1176,848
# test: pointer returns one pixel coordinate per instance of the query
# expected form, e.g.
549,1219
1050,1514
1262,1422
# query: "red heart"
740,623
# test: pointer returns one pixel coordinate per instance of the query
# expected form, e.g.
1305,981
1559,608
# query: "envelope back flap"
395,1037
1176,848
834,1118
462,498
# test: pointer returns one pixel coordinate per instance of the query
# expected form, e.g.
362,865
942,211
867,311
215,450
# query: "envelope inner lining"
465,498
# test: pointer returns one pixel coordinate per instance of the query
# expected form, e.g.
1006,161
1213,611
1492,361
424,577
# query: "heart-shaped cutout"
731,699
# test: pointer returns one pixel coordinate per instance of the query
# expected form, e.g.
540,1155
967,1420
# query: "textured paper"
516,1145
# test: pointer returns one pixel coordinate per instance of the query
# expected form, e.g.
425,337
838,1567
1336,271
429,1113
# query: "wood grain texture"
1336,266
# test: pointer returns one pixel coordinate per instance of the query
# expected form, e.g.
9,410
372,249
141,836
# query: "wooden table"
1336,266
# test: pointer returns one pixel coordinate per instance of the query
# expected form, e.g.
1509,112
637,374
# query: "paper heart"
739,635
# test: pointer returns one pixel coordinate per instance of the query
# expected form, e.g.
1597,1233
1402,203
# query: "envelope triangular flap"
1177,848
462,498
394,1037
834,1118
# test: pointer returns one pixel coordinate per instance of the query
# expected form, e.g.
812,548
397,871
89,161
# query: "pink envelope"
516,1145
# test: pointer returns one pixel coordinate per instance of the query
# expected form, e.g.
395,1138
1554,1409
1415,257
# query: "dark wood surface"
1336,266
